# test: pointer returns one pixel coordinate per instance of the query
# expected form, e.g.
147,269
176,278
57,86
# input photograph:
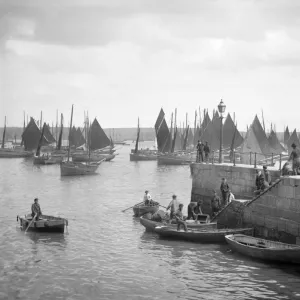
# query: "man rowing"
36,209
147,198
173,205
179,218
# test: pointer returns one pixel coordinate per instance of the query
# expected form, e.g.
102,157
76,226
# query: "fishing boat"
93,156
141,209
69,168
180,158
13,152
43,224
264,249
141,155
150,224
198,236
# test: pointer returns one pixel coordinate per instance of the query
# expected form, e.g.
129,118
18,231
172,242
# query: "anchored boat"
141,209
197,236
150,225
43,224
264,249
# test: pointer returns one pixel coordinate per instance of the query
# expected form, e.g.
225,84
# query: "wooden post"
250,158
213,157
280,162
234,158
255,160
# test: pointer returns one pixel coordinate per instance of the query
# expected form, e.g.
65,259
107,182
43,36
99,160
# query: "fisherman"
179,218
295,158
36,209
191,207
215,204
147,198
197,210
206,150
173,205
200,148
267,176
257,183
225,191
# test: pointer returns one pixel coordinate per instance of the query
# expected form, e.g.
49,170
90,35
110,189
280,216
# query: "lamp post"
221,109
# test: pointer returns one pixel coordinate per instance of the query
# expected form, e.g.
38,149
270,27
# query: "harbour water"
106,253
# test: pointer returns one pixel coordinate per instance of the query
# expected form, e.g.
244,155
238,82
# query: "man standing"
215,204
200,148
36,209
267,176
173,205
197,210
230,197
147,198
179,218
206,151
225,191
295,158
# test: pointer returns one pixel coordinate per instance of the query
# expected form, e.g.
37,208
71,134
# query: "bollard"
280,162
250,158
255,160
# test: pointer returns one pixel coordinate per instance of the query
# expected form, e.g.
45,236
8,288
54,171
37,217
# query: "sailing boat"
137,155
12,152
100,145
45,159
69,168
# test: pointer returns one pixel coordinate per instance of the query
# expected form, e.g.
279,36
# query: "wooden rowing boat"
141,209
44,224
198,236
69,168
142,157
264,249
150,224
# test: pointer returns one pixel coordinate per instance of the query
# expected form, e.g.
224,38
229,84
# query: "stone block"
292,228
257,220
281,224
262,209
286,191
270,223
288,214
297,192
295,205
298,240
283,203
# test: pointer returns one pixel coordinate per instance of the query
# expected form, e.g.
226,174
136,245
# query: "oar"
162,206
31,222
132,206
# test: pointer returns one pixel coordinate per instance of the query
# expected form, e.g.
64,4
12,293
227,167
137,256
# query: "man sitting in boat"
36,209
179,218
215,204
147,198
173,205
197,210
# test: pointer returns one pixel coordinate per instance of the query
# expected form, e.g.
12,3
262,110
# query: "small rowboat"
150,225
142,157
264,249
141,209
200,236
43,224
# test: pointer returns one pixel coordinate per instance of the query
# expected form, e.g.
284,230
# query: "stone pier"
274,215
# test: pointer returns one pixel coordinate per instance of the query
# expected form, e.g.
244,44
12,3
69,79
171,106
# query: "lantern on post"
221,109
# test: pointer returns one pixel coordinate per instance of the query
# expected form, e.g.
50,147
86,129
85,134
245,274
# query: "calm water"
107,254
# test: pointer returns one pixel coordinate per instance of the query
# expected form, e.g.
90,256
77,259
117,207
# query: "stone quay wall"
274,215
207,177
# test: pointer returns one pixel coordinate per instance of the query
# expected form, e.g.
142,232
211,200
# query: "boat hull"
75,169
142,157
93,157
140,210
150,225
47,160
197,236
264,249
10,153
174,160
44,224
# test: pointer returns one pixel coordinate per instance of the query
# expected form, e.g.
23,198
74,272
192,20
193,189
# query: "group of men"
201,148
263,180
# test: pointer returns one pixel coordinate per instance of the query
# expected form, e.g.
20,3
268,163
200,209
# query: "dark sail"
185,138
99,139
60,133
4,132
38,150
137,138
31,136
162,133
48,135
174,140
80,137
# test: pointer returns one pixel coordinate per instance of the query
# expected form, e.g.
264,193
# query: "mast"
137,137
56,127
4,132
70,133
263,120
171,132
41,121
195,124
61,133
24,122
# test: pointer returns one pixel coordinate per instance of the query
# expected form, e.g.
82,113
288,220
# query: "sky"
120,60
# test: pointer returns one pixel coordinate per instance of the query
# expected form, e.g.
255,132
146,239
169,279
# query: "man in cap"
206,151
36,209
147,198
225,191
215,203
174,204
295,158
267,176
200,148
179,218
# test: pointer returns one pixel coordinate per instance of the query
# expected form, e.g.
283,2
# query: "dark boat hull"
140,210
150,225
264,249
44,224
142,157
197,236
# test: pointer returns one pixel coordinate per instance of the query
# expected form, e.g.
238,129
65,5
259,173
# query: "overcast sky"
120,59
